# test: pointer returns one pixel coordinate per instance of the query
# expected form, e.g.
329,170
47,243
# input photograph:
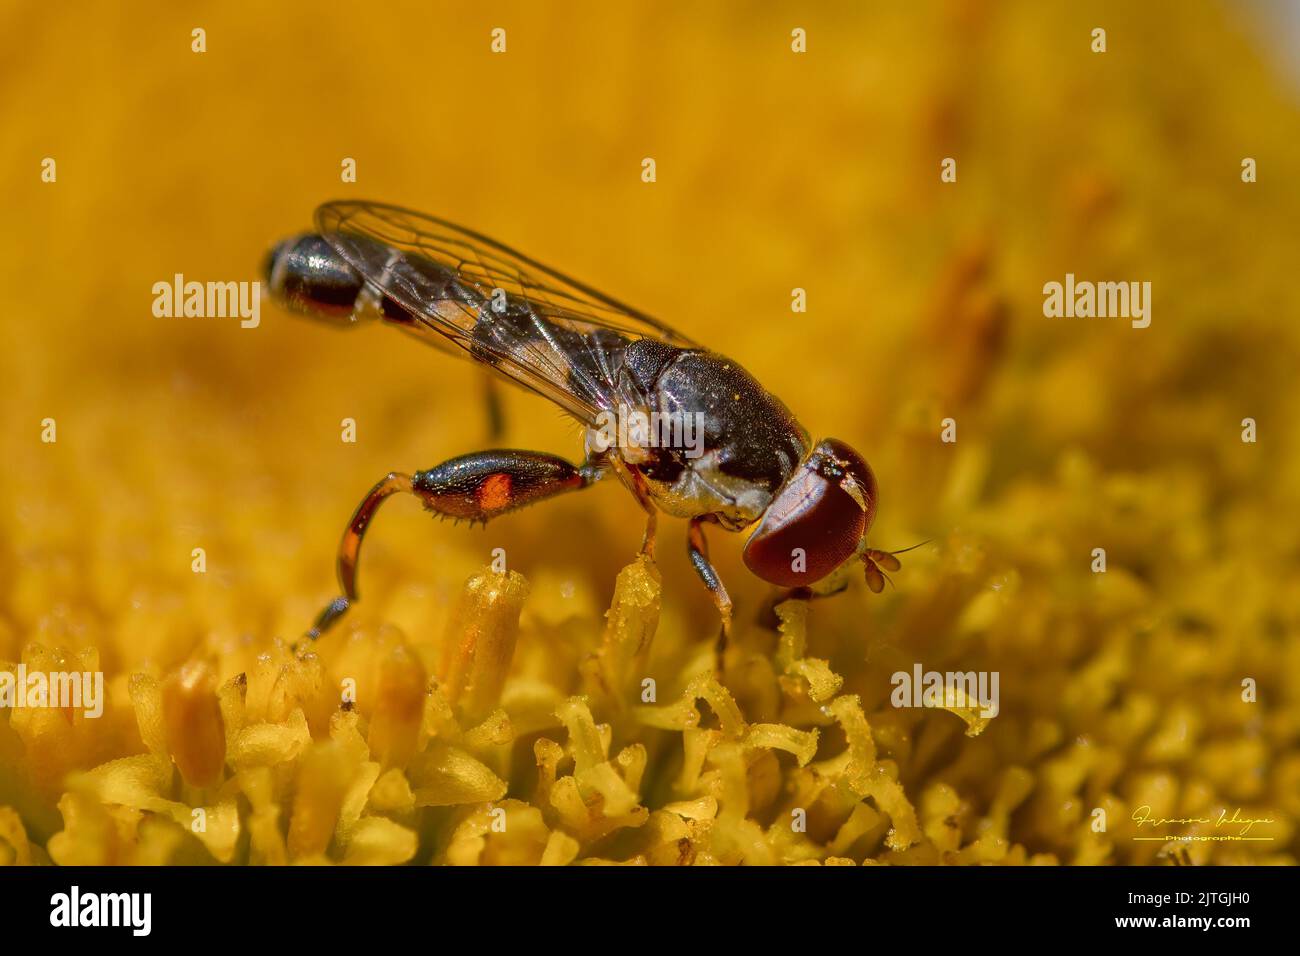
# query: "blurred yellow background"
774,171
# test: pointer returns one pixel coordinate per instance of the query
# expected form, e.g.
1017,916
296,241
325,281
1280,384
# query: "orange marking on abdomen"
494,493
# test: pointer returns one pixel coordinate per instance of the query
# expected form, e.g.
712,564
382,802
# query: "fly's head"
818,519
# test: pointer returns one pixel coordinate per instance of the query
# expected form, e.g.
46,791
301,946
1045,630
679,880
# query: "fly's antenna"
877,564
912,548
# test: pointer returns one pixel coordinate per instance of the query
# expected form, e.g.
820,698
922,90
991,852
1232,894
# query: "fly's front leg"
876,565
769,619
473,487
697,548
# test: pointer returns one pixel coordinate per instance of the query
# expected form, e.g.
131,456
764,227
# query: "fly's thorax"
720,444
702,488
749,435
646,437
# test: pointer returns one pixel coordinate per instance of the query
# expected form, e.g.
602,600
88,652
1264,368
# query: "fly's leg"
496,416
642,493
768,617
472,487
350,548
875,565
697,548
648,539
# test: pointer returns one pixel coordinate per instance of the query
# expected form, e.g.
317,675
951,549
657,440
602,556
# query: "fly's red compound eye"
816,520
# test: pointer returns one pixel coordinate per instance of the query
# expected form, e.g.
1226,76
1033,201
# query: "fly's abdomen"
306,275
347,278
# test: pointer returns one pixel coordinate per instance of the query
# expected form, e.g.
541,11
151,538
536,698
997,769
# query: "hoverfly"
811,505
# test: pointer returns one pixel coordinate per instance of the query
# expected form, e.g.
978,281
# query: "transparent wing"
547,332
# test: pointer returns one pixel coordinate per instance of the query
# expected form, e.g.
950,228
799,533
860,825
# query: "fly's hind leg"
697,548
473,487
350,548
